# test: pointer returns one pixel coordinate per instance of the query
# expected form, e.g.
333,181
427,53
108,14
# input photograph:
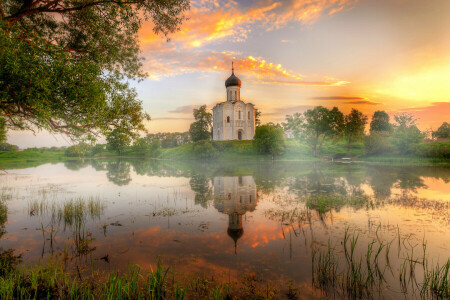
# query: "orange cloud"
213,21
255,69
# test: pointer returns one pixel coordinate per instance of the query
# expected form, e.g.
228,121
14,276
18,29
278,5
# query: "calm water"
228,220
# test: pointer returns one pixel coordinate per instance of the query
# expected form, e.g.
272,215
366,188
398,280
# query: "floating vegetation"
68,212
326,202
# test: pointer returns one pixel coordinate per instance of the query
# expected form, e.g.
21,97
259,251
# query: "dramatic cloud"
430,116
210,21
256,69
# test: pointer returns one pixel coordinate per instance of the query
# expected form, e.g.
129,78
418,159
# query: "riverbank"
226,151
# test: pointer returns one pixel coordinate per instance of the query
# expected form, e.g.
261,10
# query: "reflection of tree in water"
200,184
148,167
3,216
76,164
268,177
118,172
98,165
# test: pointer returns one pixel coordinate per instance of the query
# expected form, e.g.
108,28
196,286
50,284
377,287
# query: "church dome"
235,234
233,80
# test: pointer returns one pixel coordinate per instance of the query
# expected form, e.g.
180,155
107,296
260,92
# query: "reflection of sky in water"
227,220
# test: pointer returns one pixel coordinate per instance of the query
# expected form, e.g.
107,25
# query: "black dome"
233,81
235,234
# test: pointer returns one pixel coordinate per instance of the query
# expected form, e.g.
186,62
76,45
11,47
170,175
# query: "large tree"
443,131
2,130
118,140
320,124
201,129
354,125
64,64
406,134
380,122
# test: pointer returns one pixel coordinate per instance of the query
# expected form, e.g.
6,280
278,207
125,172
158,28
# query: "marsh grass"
358,279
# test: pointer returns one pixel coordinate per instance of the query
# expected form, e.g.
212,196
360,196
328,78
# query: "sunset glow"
293,55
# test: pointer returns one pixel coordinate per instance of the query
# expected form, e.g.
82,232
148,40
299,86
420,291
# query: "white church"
233,119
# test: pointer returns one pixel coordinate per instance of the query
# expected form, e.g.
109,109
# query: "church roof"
233,80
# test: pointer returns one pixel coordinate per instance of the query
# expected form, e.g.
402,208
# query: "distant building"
233,119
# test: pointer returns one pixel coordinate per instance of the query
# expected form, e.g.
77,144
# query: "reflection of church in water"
234,196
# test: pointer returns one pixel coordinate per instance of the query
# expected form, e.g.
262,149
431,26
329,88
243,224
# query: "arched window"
228,119
239,115
249,115
230,96
235,95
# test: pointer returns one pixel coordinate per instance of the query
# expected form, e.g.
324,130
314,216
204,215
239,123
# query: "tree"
443,131
354,125
380,122
64,64
201,129
118,140
406,134
294,123
321,124
269,139
257,117
2,131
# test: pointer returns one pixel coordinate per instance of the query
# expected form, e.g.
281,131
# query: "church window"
250,197
239,115
235,95
240,199
240,180
249,115
228,119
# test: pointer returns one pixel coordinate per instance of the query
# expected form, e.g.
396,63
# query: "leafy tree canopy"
295,123
64,63
257,117
320,124
354,125
269,139
201,129
118,140
2,130
380,122
443,131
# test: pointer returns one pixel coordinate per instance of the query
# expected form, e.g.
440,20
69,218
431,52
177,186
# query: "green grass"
28,159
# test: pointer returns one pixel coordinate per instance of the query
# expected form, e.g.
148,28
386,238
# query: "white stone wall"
233,93
230,118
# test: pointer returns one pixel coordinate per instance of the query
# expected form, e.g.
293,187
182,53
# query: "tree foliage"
118,140
443,131
320,124
406,134
64,63
257,117
295,123
380,122
354,125
201,129
2,130
269,139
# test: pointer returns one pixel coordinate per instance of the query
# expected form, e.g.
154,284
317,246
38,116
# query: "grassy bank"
28,159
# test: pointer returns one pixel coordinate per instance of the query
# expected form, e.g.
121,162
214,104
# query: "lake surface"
270,220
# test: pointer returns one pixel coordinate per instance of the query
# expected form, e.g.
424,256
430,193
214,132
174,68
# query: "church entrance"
239,135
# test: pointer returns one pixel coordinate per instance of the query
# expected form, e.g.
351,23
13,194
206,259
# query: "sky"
292,55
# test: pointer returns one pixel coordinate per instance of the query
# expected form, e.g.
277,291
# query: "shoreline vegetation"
220,151
361,275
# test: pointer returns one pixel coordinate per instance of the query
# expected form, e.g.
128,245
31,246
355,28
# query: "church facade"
233,119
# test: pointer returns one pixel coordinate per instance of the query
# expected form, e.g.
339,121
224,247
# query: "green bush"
378,143
269,139
434,150
204,150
